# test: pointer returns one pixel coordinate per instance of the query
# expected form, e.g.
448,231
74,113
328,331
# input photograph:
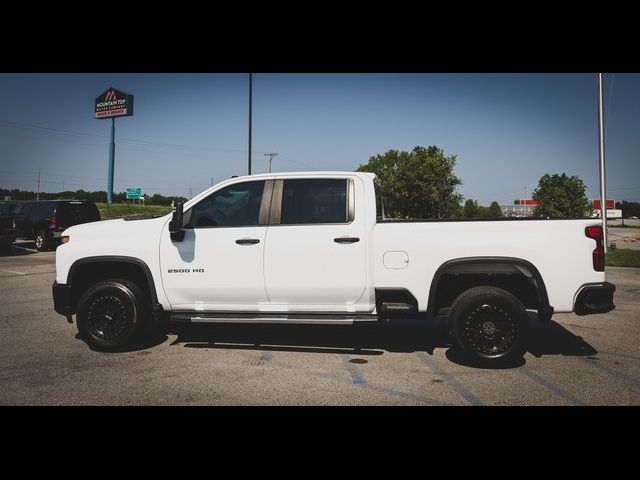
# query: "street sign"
113,103
134,193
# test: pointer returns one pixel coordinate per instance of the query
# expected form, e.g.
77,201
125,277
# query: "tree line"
422,184
96,196
419,184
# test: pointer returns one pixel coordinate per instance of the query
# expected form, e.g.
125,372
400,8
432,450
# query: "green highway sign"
134,193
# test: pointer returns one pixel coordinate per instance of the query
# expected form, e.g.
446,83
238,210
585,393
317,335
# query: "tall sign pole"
603,187
250,120
112,153
112,103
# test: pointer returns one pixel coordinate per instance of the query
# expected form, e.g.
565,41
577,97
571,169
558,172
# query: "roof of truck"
306,174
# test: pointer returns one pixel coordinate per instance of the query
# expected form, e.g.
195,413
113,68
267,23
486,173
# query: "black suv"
7,227
45,221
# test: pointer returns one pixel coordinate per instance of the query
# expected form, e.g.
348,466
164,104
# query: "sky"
189,130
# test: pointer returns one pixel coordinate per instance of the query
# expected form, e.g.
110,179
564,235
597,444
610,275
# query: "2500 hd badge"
185,270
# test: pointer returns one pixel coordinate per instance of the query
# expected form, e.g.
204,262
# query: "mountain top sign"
113,103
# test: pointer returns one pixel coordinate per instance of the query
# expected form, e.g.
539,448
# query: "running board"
283,318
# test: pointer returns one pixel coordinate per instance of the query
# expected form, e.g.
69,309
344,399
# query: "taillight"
52,222
595,232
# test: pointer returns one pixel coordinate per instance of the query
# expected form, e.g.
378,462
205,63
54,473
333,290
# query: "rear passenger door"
315,246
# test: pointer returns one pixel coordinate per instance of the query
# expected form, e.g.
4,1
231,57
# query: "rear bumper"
62,299
595,298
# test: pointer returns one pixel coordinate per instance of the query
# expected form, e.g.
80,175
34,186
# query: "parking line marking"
561,392
13,271
453,383
265,356
356,377
625,378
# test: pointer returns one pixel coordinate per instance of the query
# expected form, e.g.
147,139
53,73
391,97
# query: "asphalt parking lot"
591,360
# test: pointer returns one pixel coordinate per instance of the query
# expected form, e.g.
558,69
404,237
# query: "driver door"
219,264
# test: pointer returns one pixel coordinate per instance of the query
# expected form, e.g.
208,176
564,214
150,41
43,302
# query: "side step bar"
283,318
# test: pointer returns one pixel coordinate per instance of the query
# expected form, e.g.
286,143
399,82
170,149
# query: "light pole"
250,120
603,189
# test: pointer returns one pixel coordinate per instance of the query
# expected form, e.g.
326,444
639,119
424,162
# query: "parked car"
316,248
7,227
44,221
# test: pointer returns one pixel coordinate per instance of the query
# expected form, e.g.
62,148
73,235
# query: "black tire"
5,247
489,325
112,314
42,241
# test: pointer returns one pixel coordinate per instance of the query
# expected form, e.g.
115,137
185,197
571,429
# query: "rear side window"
314,201
41,210
20,209
77,212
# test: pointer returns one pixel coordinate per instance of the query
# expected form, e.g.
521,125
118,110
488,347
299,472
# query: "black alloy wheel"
112,314
489,325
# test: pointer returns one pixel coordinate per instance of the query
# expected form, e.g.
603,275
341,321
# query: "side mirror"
176,224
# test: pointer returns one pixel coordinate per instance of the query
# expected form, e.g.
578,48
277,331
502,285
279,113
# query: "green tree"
561,196
629,209
494,210
417,184
471,209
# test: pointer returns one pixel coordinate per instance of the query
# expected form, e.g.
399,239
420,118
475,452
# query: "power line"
10,124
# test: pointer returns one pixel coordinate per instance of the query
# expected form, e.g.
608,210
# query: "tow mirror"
176,223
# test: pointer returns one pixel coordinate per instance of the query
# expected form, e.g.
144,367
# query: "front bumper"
62,303
595,298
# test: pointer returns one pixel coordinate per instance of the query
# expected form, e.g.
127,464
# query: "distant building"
522,207
612,211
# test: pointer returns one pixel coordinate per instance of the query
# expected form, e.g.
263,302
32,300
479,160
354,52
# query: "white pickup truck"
315,247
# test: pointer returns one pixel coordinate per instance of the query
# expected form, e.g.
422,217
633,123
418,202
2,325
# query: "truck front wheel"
111,314
489,325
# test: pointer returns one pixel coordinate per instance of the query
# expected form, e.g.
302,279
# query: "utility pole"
212,181
250,120
270,155
38,194
190,192
603,189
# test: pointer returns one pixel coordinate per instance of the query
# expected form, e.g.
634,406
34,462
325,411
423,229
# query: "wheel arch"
545,311
109,266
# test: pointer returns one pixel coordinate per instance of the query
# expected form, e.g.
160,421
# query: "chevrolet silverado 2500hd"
315,247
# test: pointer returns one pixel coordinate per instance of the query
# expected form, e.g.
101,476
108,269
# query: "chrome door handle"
247,241
346,239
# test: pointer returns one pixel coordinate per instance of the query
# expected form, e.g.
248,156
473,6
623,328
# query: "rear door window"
309,201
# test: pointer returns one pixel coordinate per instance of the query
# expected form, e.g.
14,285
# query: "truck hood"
119,231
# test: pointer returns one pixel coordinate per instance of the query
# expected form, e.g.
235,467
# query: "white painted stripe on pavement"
13,271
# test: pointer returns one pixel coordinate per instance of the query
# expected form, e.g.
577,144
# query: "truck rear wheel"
112,314
489,325
42,241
